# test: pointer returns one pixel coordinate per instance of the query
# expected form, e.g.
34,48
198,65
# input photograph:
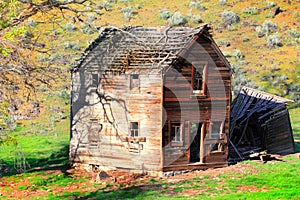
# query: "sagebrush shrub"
269,27
230,17
165,14
250,11
198,5
70,27
127,12
273,40
177,19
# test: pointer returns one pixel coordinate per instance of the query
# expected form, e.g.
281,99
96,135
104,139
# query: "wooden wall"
100,128
180,105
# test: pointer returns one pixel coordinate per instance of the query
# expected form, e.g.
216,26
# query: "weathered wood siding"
180,105
100,127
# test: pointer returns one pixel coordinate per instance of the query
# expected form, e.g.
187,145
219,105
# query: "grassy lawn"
47,155
247,180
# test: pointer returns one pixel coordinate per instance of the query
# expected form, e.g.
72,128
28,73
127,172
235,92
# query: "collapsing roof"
259,122
133,48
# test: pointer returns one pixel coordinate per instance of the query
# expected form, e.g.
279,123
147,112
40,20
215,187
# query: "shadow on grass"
134,192
58,160
297,147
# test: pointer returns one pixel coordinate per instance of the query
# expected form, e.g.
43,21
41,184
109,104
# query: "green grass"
41,143
273,180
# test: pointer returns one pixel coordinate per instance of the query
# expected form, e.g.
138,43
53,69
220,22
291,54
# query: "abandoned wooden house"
155,99
259,122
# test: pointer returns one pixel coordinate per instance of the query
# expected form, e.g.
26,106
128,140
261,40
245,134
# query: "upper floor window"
199,74
95,79
135,82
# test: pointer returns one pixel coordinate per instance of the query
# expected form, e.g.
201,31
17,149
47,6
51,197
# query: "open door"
195,138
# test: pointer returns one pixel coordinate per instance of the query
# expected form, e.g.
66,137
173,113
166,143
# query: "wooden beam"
202,143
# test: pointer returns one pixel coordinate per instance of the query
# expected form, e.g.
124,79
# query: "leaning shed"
260,122
151,99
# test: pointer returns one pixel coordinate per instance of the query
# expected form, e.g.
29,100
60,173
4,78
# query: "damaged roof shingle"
137,47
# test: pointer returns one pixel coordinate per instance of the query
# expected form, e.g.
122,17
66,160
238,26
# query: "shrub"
224,43
127,12
271,4
259,31
269,27
90,17
196,18
226,54
250,11
165,14
230,17
106,5
294,33
231,27
269,15
32,22
177,19
87,29
72,45
273,40
70,27
198,5
138,6
237,54
222,2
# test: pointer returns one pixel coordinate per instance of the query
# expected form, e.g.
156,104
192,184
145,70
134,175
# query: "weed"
87,29
32,22
250,11
70,27
269,27
224,43
270,4
177,19
229,17
127,12
237,54
273,40
269,15
106,5
165,14
72,45
90,17
222,2
138,6
198,5
294,33
196,19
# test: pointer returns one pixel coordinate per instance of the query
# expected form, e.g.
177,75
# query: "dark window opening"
134,129
135,82
198,80
95,80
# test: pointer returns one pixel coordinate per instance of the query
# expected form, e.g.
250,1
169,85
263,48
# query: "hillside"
260,39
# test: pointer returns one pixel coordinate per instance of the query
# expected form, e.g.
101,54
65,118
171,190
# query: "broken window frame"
216,129
202,90
176,133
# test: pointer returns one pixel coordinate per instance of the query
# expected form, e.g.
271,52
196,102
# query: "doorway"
195,138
